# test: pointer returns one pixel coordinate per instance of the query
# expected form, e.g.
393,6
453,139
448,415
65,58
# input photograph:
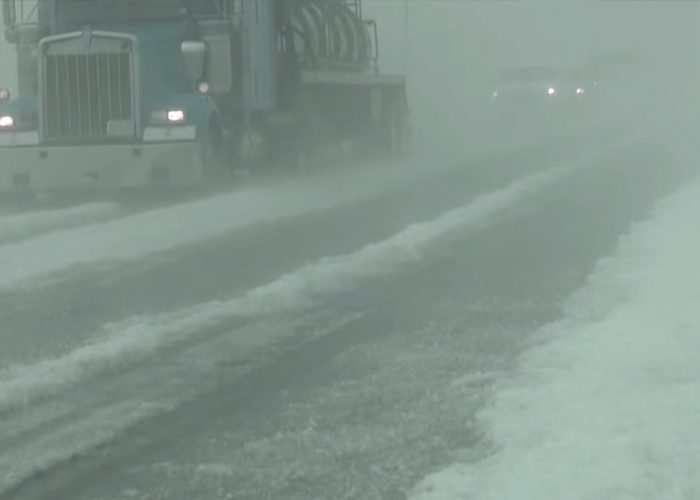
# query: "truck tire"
211,147
400,135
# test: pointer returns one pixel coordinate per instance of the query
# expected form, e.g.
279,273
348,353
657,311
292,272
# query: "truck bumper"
38,168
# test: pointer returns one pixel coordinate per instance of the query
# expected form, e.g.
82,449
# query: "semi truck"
140,93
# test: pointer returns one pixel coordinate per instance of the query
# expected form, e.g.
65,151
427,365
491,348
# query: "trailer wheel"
398,130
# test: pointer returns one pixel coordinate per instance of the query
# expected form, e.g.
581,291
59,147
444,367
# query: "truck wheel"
212,153
397,129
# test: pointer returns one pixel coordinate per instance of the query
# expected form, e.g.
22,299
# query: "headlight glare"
173,116
6,122
176,115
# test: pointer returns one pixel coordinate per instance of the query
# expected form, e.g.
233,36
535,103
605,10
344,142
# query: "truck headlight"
174,116
6,122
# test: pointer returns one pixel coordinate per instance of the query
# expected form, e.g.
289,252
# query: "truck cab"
105,95
122,93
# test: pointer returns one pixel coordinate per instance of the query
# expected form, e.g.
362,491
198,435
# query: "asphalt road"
342,353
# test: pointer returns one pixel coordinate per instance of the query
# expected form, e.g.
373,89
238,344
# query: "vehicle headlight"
551,91
580,91
6,122
4,94
175,116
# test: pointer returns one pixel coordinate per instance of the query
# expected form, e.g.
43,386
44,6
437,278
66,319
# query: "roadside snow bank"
607,405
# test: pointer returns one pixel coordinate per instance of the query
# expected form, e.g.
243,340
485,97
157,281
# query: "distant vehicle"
540,104
539,85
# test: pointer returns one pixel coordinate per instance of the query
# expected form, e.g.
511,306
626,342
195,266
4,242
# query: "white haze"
450,49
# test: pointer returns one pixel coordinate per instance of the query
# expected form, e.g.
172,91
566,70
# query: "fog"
450,49
496,309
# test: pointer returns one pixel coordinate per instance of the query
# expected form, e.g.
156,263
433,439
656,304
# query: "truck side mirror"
194,55
216,33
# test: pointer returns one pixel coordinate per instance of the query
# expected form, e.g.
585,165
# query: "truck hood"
161,69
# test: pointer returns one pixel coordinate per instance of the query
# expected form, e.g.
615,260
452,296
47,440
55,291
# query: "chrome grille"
88,95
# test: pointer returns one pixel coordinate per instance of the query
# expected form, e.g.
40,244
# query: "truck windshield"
70,13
